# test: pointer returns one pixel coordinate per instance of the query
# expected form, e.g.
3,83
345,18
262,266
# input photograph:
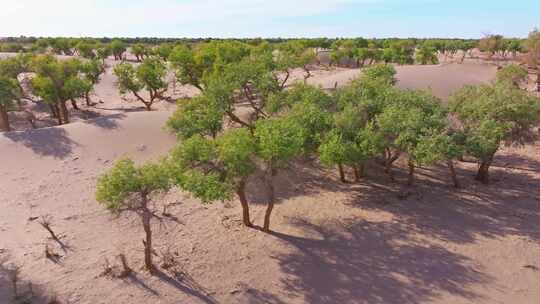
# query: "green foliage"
198,115
382,72
513,74
86,49
189,68
427,55
278,140
9,92
413,117
149,76
140,51
163,50
491,114
118,48
58,81
116,187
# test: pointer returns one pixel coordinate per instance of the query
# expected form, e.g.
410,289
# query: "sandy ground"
372,242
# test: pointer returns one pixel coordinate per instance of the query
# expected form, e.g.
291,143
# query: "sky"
269,18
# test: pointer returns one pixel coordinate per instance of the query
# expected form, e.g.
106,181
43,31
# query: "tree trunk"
410,180
453,174
74,104
538,80
54,110
241,192
356,174
341,173
271,200
87,98
4,120
64,114
483,172
389,161
146,216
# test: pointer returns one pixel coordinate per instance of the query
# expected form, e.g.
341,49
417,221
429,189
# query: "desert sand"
372,242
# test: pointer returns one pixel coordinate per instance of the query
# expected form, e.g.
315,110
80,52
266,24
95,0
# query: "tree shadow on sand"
510,205
180,281
109,122
53,141
371,262
358,261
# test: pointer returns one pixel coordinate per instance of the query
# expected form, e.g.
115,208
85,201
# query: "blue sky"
267,18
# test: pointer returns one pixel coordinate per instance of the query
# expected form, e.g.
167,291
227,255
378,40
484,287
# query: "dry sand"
334,243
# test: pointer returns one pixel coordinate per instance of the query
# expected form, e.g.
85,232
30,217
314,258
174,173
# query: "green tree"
426,55
492,44
196,116
92,71
127,187
8,95
103,51
140,51
188,67
214,169
149,76
118,48
533,54
411,117
279,140
58,81
85,49
513,74
492,115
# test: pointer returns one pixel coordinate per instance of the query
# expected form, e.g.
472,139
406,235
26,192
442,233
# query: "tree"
533,56
103,51
140,51
279,140
13,67
515,47
197,116
513,74
189,68
410,118
118,48
213,169
127,187
426,55
62,46
57,82
92,71
492,115
85,49
492,44
8,95
164,50
149,76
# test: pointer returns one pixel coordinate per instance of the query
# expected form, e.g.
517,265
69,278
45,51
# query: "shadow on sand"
53,141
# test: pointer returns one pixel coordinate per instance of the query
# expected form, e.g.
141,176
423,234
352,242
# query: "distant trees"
491,115
492,44
148,76
129,188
